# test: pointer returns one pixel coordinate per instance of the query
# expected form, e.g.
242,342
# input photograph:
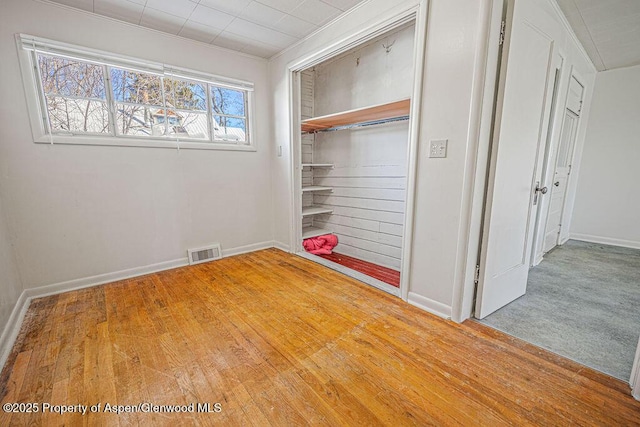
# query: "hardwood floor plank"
279,340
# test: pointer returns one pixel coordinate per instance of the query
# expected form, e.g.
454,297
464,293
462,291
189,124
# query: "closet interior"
353,157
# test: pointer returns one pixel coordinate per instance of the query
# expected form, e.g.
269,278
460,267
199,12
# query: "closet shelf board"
315,210
367,114
316,188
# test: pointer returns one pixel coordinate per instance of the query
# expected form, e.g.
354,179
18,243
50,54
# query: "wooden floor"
279,340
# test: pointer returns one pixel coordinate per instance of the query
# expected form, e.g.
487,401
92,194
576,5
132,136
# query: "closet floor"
384,274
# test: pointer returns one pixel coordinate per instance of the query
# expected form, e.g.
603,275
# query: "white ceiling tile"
232,7
295,26
316,12
285,6
181,8
261,14
211,17
342,4
123,10
142,2
231,41
161,21
78,4
262,51
258,32
196,31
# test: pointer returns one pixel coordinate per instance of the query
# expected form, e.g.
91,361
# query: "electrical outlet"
438,148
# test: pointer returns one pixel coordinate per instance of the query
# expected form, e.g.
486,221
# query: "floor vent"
200,255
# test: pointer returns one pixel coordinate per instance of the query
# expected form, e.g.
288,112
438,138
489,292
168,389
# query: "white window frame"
30,46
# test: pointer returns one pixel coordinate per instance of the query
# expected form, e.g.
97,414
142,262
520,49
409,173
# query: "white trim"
635,375
605,240
281,246
572,34
340,17
427,304
113,141
417,13
12,328
354,39
379,284
485,82
41,132
419,46
101,279
248,248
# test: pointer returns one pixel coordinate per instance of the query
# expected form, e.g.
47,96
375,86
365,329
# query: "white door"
522,116
563,165
560,180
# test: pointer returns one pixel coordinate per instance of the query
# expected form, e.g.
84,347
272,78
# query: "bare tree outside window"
75,95
87,98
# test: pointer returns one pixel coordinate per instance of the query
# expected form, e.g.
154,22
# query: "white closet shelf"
316,188
308,232
315,210
317,165
385,111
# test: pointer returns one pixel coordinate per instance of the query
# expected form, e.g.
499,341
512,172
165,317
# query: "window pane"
134,87
227,101
138,121
186,124
77,115
229,128
185,95
65,77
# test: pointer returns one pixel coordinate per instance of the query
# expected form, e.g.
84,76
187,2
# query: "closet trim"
417,13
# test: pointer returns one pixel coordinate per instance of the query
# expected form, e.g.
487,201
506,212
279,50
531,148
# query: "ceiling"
609,30
262,28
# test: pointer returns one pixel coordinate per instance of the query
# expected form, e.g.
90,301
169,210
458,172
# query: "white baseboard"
100,279
427,304
606,240
248,248
281,246
12,328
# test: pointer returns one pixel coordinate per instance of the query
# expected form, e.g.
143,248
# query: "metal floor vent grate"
200,255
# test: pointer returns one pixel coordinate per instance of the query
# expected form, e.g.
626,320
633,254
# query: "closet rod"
361,124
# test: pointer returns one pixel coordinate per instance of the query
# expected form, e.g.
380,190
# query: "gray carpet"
582,302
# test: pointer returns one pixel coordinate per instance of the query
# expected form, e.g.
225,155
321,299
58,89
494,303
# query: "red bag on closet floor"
320,245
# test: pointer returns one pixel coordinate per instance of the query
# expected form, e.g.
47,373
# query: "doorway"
517,223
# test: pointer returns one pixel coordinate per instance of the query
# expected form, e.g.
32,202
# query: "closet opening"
352,168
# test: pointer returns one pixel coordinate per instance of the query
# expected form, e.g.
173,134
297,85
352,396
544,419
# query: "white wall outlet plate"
438,148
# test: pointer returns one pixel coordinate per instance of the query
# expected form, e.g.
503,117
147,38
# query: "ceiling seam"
590,36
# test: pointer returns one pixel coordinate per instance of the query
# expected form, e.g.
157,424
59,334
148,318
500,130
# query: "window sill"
144,143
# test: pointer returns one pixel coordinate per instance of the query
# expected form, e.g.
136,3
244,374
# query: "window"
88,96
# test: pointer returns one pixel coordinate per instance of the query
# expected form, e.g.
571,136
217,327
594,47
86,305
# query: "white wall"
10,285
608,198
80,211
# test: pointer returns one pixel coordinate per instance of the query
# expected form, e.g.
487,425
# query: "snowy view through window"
87,98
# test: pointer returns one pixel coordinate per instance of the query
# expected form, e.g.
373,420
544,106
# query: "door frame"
419,14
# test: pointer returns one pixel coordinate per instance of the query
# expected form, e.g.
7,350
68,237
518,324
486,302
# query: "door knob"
542,190
557,183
